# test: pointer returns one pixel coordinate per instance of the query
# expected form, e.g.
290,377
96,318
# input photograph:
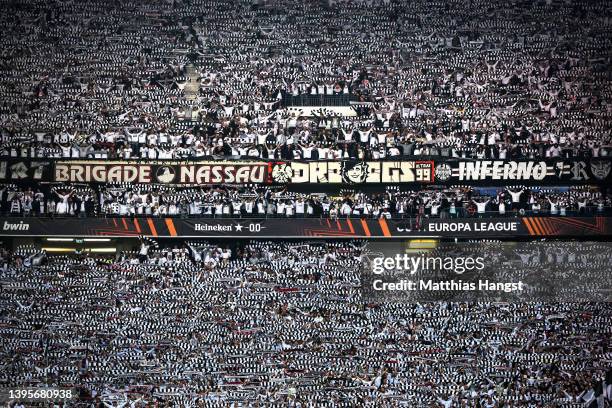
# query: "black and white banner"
15,170
352,172
341,172
524,171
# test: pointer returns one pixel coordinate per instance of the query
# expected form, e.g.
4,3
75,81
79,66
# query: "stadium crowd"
286,323
280,323
188,79
225,201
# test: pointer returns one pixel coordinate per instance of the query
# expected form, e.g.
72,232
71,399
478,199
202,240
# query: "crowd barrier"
510,227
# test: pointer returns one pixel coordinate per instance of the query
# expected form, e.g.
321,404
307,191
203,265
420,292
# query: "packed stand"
171,80
284,323
148,200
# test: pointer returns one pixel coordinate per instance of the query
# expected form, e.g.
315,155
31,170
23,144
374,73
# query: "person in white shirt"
248,207
227,209
516,197
345,209
289,208
261,207
218,209
307,151
553,151
280,208
393,151
299,208
501,206
554,206
237,207
144,251
481,207
309,208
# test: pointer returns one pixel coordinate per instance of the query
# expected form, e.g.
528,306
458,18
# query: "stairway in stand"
193,85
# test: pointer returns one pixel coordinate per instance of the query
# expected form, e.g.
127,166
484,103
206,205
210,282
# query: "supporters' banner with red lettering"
509,227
